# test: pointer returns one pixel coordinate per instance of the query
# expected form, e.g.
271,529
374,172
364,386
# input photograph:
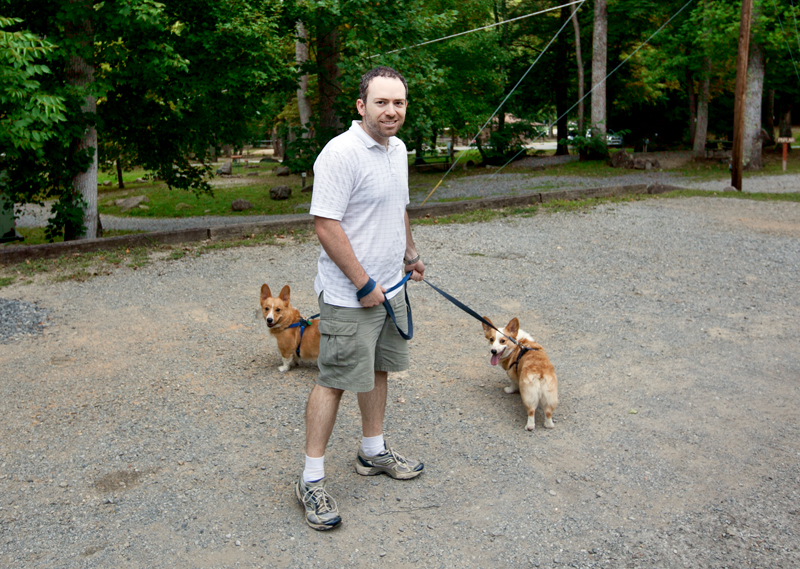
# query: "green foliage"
171,80
66,218
506,144
589,147
27,111
302,151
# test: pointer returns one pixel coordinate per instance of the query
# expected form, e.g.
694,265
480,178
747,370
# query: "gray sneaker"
388,462
322,513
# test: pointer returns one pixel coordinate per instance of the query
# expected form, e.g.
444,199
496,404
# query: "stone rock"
225,170
622,159
639,163
240,205
140,180
730,189
252,173
107,183
182,206
128,204
308,189
282,171
280,193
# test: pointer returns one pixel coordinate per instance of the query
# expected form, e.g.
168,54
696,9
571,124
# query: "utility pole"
740,94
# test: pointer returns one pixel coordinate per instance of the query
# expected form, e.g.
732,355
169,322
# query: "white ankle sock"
314,470
372,445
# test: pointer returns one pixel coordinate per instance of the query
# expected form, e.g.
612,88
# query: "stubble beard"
378,130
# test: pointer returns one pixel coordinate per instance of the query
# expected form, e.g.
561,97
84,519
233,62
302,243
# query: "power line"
601,82
477,29
785,36
794,15
558,33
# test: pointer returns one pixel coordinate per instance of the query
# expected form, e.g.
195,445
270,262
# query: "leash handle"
366,289
390,312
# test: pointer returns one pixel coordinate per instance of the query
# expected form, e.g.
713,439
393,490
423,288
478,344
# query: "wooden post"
740,94
785,141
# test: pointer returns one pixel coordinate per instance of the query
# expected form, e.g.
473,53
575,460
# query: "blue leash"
370,286
390,312
477,316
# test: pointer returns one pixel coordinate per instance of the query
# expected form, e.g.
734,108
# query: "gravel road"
147,425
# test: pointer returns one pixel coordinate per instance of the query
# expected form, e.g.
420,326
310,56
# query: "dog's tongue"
495,359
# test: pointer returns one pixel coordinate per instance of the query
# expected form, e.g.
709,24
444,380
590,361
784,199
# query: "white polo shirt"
364,186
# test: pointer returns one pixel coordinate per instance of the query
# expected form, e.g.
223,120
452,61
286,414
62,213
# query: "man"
359,203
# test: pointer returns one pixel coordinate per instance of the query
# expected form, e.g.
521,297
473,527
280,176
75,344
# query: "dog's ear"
265,292
487,330
284,295
513,327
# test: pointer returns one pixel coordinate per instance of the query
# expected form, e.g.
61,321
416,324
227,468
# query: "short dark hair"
381,71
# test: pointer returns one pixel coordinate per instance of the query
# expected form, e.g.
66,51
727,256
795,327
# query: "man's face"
385,109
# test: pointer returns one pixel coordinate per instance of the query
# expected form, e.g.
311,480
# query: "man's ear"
361,107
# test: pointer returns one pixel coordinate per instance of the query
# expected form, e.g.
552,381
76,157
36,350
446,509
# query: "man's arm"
336,244
418,267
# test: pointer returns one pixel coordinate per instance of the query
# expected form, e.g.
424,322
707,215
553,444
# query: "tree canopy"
176,80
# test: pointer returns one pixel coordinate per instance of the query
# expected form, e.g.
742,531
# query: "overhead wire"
654,34
504,100
478,29
786,38
794,15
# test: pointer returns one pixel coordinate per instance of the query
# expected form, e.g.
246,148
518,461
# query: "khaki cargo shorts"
356,342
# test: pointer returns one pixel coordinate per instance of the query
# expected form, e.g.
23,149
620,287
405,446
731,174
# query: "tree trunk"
500,15
560,87
692,106
579,62
80,74
769,116
301,56
701,130
599,63
120,182
329,89
751,151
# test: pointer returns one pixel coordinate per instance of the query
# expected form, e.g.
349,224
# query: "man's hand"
374,298
418,269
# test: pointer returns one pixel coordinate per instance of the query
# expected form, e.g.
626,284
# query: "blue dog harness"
303,324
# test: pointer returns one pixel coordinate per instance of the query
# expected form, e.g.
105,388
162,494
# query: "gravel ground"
18,319
149,426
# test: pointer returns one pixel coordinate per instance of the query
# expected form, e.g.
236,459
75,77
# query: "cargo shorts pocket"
338,343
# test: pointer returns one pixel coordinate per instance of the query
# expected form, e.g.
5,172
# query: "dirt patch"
119,480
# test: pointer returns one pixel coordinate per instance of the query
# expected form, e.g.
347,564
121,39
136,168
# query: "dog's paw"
283,368
511,389
531,424
548,424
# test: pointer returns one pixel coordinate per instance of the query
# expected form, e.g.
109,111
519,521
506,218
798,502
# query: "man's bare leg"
373,406
321,410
